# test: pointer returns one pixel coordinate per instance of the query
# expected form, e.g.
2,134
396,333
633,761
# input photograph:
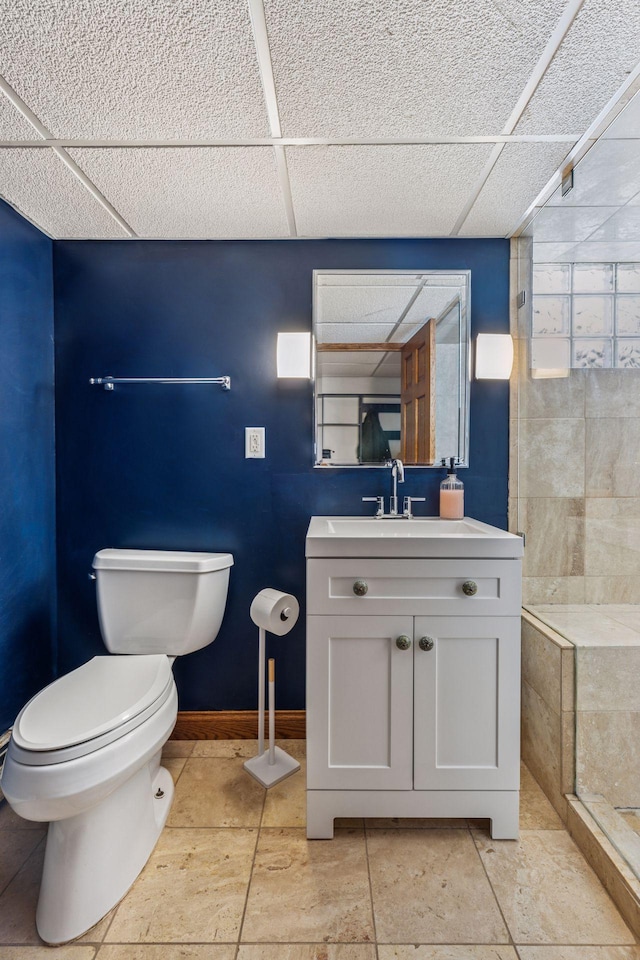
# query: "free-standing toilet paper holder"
278,613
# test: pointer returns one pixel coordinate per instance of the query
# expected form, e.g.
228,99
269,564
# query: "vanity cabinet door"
467,703
359,703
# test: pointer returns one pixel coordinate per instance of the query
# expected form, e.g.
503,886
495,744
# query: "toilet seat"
90,707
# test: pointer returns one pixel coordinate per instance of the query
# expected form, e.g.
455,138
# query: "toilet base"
92,859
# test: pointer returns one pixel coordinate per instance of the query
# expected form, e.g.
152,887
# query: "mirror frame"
464,366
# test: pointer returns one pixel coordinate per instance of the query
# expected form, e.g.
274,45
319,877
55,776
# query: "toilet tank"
160,601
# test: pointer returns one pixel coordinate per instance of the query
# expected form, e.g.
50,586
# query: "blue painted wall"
27,502
164,467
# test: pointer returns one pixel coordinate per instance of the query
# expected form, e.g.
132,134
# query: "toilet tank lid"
171,561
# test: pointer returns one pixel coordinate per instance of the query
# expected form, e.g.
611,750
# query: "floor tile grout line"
22,863
373,912
253,863
495,895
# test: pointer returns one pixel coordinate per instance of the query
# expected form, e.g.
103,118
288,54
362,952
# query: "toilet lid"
99,696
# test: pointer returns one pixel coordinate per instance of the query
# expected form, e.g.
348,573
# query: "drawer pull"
360,588
403,642
426,643
469,588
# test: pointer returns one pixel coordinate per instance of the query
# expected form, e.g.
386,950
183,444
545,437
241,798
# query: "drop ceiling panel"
346,369
431,302
41,187
134,69
190,192
367,279
13,125
382,191
515,181
595,58
374,68
391,366
609,175
353,332
373,304
556,224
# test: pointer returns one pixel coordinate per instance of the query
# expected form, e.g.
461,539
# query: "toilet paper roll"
274,611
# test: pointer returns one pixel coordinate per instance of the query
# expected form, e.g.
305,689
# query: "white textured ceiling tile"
377,303
382,191
345,370
515,181
13,125
595,58
353,332
190,192
40,186
135,69
431,302
411,68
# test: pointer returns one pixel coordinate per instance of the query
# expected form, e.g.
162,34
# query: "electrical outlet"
254,443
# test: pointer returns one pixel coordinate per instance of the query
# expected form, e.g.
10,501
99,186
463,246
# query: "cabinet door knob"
426,643
360,588
403,642
469,588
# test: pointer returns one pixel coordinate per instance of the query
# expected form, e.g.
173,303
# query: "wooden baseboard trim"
235,725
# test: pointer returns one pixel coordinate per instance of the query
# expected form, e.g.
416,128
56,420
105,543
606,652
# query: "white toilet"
85,751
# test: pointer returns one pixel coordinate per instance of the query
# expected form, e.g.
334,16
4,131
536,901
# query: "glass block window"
588,314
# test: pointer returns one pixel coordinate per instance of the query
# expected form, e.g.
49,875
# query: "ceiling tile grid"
382,191
135,69
116,71
42,188
346,68
377,303
190,192
515,181
599,51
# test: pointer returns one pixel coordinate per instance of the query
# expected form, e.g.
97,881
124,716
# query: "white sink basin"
418,537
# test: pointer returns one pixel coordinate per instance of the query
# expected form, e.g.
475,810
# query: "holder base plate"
268,775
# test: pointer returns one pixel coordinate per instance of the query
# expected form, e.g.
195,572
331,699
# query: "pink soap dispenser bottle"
451,495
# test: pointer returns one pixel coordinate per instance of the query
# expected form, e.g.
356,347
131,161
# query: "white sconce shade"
494,356
550,358
294,355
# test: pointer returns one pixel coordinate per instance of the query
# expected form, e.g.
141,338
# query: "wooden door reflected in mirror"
391,375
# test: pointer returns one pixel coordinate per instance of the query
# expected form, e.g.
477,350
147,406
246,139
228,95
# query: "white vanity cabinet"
413,688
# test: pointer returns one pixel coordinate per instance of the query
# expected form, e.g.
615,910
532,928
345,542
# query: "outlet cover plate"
254,443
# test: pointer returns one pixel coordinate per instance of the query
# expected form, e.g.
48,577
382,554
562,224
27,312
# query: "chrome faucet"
397,476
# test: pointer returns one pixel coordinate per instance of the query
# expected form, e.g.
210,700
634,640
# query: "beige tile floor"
234,878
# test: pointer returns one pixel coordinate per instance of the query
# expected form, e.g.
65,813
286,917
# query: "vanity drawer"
435,587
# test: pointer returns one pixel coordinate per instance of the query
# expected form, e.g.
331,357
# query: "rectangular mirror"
392,366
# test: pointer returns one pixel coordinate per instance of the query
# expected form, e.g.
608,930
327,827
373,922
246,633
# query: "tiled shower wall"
574,471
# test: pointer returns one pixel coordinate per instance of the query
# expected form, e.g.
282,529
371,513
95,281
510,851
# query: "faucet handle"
407,504
379,501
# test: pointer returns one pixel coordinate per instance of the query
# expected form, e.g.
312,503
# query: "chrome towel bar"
109,382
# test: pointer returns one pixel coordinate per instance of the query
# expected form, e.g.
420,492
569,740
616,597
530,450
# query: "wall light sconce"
294,355
494,356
